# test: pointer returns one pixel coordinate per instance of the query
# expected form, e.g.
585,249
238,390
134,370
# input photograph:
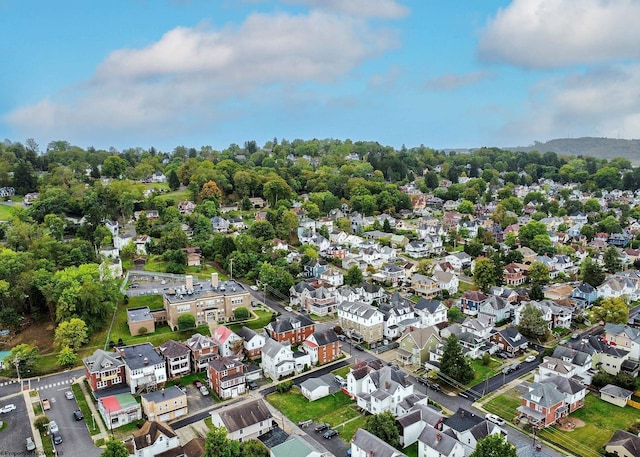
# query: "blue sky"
446,74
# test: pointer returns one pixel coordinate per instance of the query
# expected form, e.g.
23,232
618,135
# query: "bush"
142,330
486,359
284,387
41,423
186,321
241,313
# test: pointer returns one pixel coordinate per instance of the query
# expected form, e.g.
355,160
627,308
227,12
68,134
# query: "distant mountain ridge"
602,148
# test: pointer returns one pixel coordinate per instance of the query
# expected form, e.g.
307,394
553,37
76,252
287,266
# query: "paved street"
13,438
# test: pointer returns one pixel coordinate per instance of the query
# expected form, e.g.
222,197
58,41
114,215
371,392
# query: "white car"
253,287
68,395
531,358
53,427
288,308
495,419
204,390
7,408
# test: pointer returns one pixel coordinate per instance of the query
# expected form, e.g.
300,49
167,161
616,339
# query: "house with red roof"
225,339
120,409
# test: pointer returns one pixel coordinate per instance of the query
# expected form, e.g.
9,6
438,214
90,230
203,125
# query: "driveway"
13,438
196,401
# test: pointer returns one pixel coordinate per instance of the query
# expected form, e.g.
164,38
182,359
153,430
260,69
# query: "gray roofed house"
462,420
315,388
615,395
296,446
103,364
441,443
525,449
364,441
177,357
244,421
623,444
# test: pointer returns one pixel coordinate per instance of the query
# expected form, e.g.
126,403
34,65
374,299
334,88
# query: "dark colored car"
424,381
77,415
321,427
57,437
434,386
359,348
330,434
197,383
502,355
252,385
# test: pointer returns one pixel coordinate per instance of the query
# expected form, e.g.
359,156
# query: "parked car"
434,386
321,427
516,366
495,419
339,379
77,415
424,381
359,348
252,385
288,308
330,434
68,395
53,427
57,437
31,446
7,408
197,383
253,287
204,390
530,358
507,370
46,405
134,285
502,355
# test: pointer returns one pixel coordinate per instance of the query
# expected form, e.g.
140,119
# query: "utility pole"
16,362
231,269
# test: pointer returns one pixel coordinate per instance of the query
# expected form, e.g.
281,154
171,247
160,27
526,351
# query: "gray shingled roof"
164,394
244,415
140,355
616,391
369,442
437,440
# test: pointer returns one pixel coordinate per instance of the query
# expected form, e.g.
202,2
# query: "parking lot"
14,437
76,439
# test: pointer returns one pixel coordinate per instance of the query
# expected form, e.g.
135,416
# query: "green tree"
23,356
453,363
41,422
72,334
494,445
218,445
484,273
532,323
114,166
262,230
588,231
9,318
186,322
115,448
466,207
384,426
386,226
354,276
610,311
66,357
276,277
143,227
174,180
539,273
612,262
591,272
253,448
241,313
528,232
454,314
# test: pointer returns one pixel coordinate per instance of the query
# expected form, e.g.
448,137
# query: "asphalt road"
494,383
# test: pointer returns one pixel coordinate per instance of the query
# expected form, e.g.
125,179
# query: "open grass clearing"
601,420
344,371
260,320
297,408
6,211
411,451
505,405
349,429
483,372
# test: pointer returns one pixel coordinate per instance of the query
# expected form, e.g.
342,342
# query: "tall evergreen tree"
453,363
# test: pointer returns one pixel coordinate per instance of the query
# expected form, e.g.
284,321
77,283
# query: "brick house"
203,350
177,356
104,369
294,329
322,346
226,377
510,340
514,275
543,405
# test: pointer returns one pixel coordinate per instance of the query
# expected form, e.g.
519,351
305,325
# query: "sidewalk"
37,439
104,434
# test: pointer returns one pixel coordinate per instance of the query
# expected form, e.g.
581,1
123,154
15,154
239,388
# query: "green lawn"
152,301
483,372
84,407
297,408
350,428
263,318
5,212
344,371
411,451
601,420
505,405
466,287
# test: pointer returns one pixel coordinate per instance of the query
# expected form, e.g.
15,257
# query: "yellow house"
165,404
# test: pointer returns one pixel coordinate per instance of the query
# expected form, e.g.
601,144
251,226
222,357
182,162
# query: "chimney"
189,282
122,352
371,453
214,279
438,437
146,361
462,413
148,437
387,385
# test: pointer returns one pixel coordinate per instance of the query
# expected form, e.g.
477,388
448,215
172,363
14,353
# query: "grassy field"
483,372
466,287
336,409
601,420
263,318
5,212
505,405
344,371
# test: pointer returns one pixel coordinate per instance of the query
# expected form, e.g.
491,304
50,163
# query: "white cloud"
556,33
600,102
192,75
386,9
452,81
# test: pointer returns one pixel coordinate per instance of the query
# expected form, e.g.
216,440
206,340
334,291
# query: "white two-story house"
145,370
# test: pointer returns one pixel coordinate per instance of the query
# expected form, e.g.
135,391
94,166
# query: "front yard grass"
350,428
84,407
505,405
601,420
263,318
297,408
482,371
344,371
411,451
